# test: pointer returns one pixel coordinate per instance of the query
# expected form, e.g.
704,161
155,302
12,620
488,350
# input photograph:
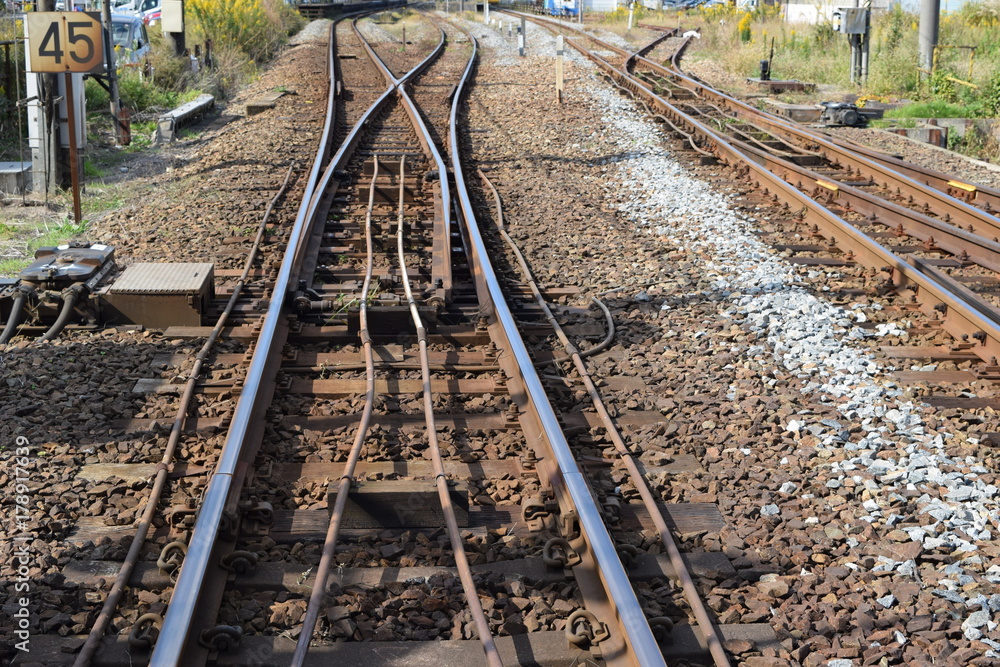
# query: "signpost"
68,43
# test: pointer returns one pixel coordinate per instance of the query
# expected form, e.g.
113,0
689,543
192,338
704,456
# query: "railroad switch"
56,290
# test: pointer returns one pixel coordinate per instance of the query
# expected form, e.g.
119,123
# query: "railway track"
828,201
363,399
385,393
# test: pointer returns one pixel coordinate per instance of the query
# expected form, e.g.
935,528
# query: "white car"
149,11
125,6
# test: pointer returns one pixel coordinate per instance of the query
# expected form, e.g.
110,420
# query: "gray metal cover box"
161,295
853,20
172,16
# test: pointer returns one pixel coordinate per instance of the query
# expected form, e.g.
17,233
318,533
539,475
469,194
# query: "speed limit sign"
65,42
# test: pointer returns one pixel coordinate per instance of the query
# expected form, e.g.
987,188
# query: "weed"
930,109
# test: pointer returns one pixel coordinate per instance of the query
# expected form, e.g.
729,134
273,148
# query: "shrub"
139,94
932,109
255,27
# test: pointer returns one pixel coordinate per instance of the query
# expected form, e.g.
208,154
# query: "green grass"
930,109
902,122
43,236
90,170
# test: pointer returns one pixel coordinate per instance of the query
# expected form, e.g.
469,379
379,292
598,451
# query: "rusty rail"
603,582
940,297
683,574
318,594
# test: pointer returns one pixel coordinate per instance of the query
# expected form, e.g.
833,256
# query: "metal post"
521,37
74,167
559,68
927,36
866,41
404,37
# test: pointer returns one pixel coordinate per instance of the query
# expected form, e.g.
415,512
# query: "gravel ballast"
862,515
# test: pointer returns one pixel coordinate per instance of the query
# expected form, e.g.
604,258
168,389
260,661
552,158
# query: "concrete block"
15,177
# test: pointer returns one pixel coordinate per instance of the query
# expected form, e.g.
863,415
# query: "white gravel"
801,334
806,336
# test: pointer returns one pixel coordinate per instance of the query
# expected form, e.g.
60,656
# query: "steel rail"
609,321
961,317
318,594
956,187
570,484
683,574
103,620
440,478
955,240
441,276
223,488
836,152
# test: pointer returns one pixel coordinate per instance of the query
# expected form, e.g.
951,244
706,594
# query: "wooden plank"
935,377
278,576
546,649
133,472
400,504
383,354
423,469
929,352
335,388
235,333
163,386
310,525
490,421
348,387
144,425
486,421
684,518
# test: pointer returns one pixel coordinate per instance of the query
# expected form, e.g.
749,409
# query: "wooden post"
109,49
559,69
74,167
404,37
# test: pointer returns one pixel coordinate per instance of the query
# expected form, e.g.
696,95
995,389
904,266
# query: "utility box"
160,295
852,20
172,16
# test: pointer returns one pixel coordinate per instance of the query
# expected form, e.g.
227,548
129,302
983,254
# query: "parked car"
131,42
149,10
125,6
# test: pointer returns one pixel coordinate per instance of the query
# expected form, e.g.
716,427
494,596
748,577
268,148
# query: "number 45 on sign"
66,42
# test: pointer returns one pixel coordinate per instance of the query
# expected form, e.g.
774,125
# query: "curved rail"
570,484
223,488
712,637
962,315
465,573
958,188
